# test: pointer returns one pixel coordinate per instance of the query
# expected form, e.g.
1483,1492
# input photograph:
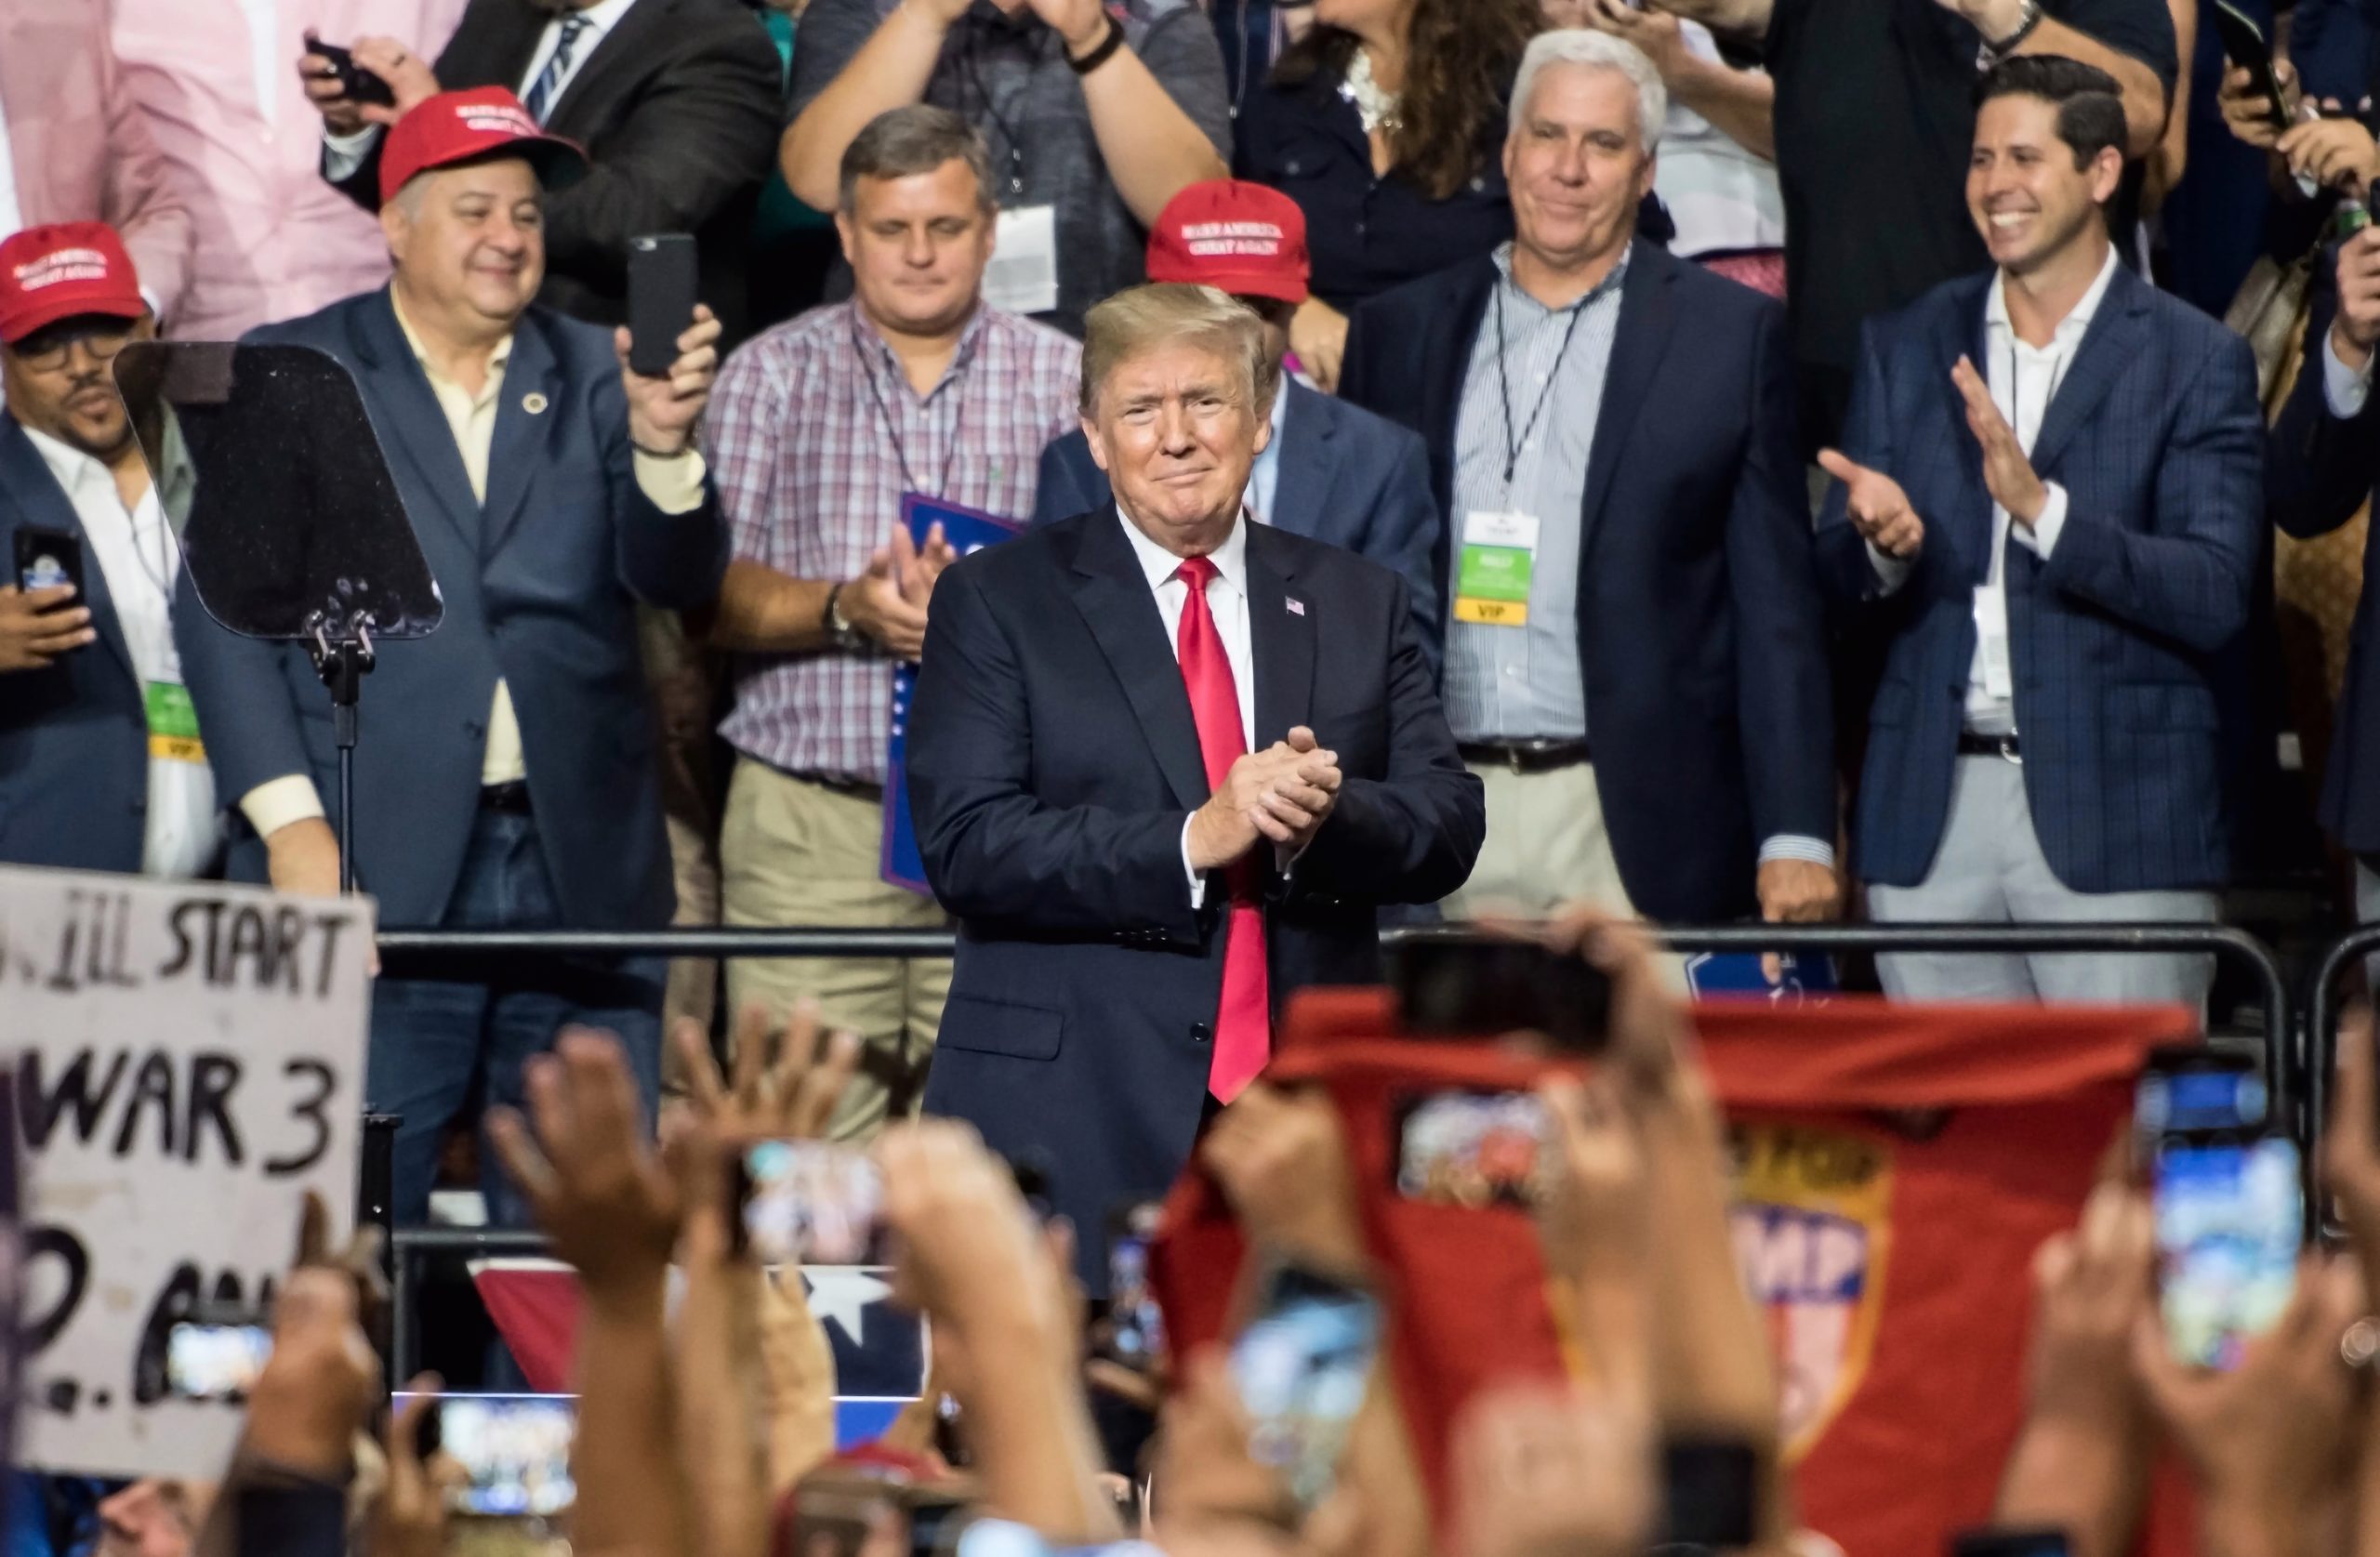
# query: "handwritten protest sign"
188,1062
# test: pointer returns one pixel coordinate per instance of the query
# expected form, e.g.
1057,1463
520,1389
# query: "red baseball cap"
54,273
464,127
1237,237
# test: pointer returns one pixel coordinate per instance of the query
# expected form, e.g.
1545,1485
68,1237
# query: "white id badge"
1992,640
1022,276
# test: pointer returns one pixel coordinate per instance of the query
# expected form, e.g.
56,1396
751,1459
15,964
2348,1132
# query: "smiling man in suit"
507,778
1329,470
1635,654
2049,498
1166,765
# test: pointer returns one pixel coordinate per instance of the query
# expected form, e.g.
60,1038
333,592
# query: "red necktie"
1244,1023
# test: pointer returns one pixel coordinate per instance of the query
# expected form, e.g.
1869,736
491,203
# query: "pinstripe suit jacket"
2156,436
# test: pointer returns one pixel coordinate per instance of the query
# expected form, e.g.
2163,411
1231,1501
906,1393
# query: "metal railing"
2283,1068
2322,1007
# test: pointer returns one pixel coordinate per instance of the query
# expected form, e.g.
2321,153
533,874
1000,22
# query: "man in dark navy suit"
2048,497
101,761
506,777
1635,655
1166,765
1331,470
2323,464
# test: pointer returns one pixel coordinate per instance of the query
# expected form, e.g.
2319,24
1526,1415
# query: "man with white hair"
1634,658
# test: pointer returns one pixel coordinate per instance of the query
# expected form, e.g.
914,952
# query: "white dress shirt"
342,155
2345,388
139,560
1227,602
2023,379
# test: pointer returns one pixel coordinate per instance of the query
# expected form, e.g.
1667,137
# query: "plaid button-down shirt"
806,437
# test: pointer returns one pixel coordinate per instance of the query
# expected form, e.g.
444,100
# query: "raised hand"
2007,469
1281,1158
664,408
1879,509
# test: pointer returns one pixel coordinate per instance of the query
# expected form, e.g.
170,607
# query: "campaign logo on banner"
188,1062
966,530
1811,1222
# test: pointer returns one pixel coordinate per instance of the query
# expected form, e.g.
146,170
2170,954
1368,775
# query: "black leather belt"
1973,744
511,797
861,789
1525,757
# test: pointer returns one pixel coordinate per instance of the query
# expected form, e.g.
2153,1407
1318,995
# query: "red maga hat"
1237,237
54,273
464,127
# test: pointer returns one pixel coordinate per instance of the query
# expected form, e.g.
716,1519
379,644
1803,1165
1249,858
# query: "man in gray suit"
505,779
1334,471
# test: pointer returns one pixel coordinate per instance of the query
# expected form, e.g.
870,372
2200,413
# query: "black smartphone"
1453,983
1134,1333
514,1452
2230,1222
2010,1542
1302,1368
46,558
216,1362
1709,1492
2244,45
808,1203
358,84
661,299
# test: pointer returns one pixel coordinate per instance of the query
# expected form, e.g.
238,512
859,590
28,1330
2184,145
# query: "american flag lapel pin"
1297,606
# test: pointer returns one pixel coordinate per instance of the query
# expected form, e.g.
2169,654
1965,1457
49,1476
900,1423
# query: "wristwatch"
1996,49
839,627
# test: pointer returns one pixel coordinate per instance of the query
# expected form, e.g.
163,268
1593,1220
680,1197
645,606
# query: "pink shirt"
243,147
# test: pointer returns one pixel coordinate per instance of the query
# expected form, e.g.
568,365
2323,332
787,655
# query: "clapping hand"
1878,508
2007,469
1284,793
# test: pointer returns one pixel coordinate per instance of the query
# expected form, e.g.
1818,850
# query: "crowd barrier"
2323,1006
2286,1074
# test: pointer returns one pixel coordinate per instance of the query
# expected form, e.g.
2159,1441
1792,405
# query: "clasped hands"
1880,509
1284,794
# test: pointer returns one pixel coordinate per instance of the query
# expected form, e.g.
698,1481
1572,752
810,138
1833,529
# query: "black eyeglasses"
46,353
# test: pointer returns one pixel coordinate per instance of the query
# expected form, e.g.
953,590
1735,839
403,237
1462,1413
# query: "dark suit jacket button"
1201,1033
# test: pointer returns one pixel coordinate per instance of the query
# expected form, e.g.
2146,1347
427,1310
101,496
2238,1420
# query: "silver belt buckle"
2008,752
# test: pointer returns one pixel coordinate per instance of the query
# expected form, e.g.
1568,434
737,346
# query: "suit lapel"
398,386
27,481
1637,347
2109,346
1959,331
625,49
518,448
1280,638
499,57
1116,602
1301,489
1444,365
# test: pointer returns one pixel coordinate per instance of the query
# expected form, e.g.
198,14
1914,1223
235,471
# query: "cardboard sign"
188,1063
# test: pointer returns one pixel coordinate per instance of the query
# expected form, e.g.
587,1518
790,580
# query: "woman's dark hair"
1460,56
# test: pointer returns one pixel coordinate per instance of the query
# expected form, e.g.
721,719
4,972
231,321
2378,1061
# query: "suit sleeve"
672,560
1402,538
140,203
706,128
1057,494
1355,361
1413,836
1784,708
993,850
251,726
2319,468
2188,577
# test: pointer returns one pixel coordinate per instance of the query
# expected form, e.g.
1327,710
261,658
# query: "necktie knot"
1197,573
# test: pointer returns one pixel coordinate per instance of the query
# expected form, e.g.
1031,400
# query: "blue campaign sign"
1722,975
966,530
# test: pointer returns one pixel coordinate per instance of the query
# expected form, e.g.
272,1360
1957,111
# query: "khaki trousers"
798,853
1546,848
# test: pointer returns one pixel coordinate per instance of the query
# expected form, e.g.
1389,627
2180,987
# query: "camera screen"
2228,1226
216,1362
1301,1367
514,1451
807,1203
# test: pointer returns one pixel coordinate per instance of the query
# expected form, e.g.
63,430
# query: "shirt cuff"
2345,388
343,154
674,485
1197,881
276,803
2040,537
1798,846
1891,572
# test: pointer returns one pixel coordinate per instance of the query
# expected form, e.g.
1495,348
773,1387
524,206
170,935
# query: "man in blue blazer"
2323,464
1166,765
506,776
1636,661
2048,499
1331,471
100,763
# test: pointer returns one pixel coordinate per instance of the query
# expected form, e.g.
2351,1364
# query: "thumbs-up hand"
1877,506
